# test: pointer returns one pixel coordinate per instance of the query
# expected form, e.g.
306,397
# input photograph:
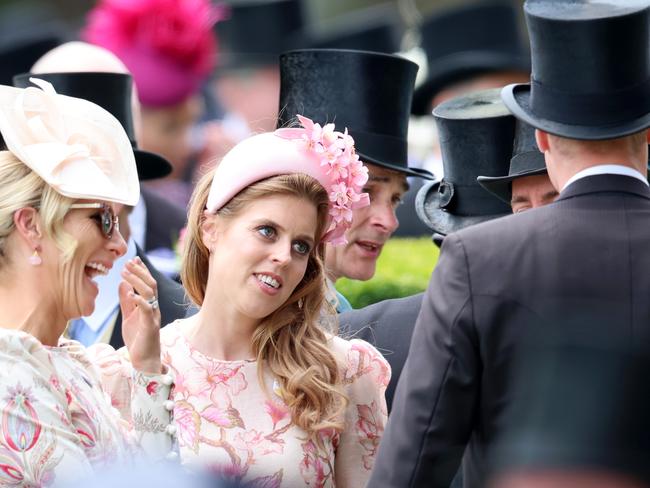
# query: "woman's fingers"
124,289
137,267
138,276
144,305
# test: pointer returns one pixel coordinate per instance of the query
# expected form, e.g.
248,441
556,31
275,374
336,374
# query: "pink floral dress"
57,424
227,424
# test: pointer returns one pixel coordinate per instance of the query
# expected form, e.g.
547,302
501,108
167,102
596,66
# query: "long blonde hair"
20,187
290,341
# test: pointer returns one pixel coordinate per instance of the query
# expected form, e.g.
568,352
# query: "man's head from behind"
566,157
371,227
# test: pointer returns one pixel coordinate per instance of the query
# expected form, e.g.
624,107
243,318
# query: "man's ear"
28,226
541,138
210,227
647,136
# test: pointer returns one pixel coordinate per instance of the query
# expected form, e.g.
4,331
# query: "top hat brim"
500,186
427,206
150,165
420,173
517,99
458,67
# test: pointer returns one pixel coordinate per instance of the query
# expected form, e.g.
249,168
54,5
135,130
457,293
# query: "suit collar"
605,183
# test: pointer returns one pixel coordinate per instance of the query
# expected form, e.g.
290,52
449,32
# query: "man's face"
532,192
371,227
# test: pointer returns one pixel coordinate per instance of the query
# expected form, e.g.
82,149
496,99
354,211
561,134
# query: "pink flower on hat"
319,151
347,173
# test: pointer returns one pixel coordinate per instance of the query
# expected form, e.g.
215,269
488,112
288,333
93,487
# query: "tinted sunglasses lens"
107,222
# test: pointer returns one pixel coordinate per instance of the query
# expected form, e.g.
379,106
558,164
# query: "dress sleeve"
366,375
142,399
38,442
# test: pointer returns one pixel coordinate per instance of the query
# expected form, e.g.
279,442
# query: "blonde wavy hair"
290,341
20,187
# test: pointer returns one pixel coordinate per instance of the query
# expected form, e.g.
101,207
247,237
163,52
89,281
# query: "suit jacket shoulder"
387,325
164,221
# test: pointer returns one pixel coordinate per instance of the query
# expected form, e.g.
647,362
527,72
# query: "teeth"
268,280
371,247
99,267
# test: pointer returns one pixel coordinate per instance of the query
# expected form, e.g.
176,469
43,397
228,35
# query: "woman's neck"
24,309
218,330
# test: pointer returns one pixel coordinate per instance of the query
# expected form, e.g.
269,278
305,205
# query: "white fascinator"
77,147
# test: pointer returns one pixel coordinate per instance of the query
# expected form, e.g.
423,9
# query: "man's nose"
384,217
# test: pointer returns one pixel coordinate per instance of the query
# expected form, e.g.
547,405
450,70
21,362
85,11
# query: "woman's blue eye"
267,231
301,247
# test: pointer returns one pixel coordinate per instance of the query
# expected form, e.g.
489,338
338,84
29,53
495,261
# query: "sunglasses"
107,220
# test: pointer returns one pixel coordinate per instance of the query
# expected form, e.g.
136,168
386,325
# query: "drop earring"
35,259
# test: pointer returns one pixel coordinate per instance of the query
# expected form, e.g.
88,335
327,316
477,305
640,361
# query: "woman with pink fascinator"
264,396
68,169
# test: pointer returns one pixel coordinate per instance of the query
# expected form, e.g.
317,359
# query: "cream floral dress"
227,424
58,425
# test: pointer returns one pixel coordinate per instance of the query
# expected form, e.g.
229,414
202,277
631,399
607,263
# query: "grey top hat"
526,161
590,68
476,133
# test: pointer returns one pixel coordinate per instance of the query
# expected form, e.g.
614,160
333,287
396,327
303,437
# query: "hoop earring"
35,259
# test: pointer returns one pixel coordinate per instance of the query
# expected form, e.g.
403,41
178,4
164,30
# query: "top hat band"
590,109
468,200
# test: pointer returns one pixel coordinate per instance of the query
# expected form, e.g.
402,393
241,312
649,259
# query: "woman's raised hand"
140,316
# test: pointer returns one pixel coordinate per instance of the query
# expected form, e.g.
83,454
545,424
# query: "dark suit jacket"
164,221
576,269
387,325
171,299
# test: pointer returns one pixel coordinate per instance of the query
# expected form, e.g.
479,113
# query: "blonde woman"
263,395
68,170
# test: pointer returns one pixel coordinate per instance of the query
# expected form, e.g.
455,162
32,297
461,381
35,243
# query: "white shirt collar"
138,222
108,298
606,169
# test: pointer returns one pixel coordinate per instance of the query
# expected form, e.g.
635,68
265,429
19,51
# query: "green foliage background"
404,268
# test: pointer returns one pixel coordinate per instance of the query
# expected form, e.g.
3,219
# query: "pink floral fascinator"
169,46
77,147
320,152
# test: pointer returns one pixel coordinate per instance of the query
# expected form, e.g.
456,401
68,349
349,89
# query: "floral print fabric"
227,424
57,424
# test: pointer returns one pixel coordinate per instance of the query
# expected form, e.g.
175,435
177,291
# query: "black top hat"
466,41
578,407
257,31
370,29
112,92
591,69
476,132
352,89
526,161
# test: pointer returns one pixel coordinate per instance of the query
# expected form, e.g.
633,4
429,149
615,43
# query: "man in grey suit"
576,268
482,118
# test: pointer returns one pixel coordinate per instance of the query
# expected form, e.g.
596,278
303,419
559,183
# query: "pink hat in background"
169,46
320,152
